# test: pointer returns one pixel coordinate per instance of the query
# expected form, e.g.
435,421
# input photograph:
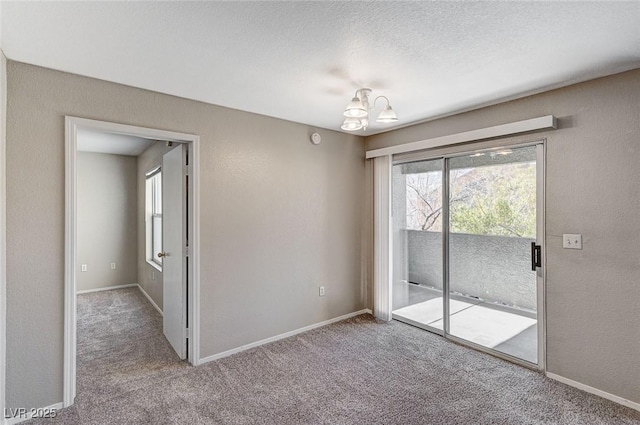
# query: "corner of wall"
3,291
367,238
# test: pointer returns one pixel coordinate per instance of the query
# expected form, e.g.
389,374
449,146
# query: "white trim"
282,336
153,303
541,272
71,130
194,253
29,415
131,130
106,288
382,239
70,248
592,390
547,122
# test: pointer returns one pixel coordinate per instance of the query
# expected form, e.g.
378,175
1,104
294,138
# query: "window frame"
153,211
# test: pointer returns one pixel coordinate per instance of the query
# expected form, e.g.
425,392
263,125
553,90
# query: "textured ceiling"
302,61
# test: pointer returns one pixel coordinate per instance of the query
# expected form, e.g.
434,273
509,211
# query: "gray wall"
592,176
149,278
107,205
279,217
494,268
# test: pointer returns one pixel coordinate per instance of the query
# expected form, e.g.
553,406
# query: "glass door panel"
492,223
417,243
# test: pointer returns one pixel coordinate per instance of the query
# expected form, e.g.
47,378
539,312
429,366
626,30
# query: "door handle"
536,256
163,254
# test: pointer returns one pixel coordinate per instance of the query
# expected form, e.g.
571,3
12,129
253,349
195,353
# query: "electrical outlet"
571,241
113,266
153,275
83,267
321,291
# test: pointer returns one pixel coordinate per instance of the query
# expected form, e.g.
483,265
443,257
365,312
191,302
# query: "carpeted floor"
358,371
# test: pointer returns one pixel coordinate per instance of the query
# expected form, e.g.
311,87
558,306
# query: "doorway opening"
467,232
176,229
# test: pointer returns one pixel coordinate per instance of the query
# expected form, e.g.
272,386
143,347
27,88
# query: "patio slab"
502,328
430,312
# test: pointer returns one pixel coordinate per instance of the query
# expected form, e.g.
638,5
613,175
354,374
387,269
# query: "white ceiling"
115,144
302,61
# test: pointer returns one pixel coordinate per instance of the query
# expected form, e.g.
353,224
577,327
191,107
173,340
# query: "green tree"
503,204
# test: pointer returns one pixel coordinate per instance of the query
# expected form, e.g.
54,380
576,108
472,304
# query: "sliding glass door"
465,255
492,223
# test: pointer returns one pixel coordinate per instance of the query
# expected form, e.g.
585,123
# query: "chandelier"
357,111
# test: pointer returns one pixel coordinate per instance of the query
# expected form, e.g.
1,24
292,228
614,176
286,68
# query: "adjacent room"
320,212
119,252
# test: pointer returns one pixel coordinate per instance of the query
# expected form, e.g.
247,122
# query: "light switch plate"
571,241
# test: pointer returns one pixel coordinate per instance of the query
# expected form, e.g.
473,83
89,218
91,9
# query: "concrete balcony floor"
506,329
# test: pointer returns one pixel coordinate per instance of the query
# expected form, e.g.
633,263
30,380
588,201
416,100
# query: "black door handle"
536,256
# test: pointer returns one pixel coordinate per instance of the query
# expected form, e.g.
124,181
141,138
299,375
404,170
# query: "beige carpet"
359,371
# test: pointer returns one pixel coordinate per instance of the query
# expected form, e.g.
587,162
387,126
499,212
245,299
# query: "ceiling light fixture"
357,111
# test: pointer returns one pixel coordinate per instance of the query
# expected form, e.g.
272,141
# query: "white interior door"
174,243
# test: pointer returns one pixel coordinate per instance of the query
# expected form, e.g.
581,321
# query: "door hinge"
186,251
186,169
186,333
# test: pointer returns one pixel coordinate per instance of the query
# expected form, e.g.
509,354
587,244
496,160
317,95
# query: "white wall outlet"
321,291
83,267
153,275
571,241
113,266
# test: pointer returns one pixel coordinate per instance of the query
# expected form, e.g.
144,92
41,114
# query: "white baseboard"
153,303
281,336
30,412
106,288
603,394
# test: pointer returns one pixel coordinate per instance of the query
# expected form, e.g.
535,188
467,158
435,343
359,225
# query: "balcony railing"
496,269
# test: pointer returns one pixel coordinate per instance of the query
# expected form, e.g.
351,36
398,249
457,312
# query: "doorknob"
163,254
536,256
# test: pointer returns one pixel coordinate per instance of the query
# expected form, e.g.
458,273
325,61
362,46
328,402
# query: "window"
153,217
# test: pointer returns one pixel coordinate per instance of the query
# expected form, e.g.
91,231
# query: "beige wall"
107,196
149,277
279,217
592,188
3,120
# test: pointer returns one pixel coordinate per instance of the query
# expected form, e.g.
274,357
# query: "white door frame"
72,124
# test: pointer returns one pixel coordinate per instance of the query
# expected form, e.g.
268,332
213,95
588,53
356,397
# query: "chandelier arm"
385,98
